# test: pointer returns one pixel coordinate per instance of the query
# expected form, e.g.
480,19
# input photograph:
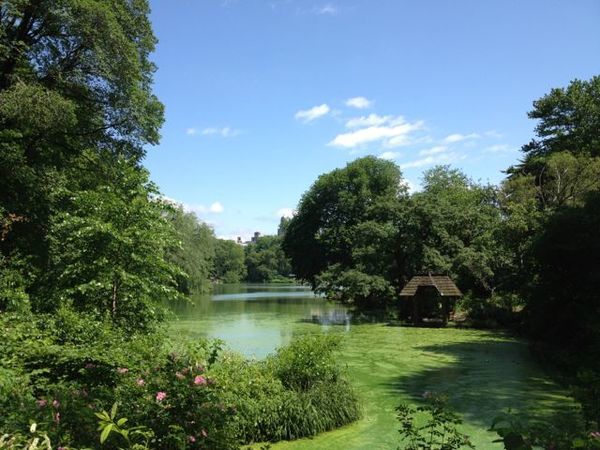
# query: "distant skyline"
262,97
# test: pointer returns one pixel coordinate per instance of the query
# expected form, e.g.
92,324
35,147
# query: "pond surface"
483,372
255,319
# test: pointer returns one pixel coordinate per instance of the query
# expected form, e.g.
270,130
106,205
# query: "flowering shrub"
173,395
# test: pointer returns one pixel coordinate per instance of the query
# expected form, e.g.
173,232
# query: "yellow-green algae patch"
484,373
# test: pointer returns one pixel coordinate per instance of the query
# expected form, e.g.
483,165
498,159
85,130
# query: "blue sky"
262,97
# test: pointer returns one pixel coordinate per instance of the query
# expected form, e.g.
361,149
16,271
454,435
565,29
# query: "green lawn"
484,373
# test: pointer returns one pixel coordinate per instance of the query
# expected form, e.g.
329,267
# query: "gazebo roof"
444,285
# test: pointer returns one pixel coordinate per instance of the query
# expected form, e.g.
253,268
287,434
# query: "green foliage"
308,361
449,228
135,438
265,260
109,245
196,254
300,391
432,426
587,392
516,433
75,78
354,287
569,121
562,306
230,265
36,440
346,221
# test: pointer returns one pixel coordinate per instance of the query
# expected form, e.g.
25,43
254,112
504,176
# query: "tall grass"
301,391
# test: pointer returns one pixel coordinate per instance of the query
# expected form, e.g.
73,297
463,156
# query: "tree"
346,222
563,305
569,121
449,228
109,244
75,75
196,254
230,266
265,260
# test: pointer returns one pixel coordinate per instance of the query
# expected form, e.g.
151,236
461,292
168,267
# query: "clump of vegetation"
432,426
300,391
63,370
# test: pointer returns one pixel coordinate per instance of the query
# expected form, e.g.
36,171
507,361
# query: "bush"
432,426
300,391
64,370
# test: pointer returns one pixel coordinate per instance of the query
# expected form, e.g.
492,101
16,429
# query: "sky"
262,97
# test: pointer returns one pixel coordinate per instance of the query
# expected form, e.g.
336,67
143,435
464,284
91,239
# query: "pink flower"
595,434
160,396
90,366
140,382
122,370
179,375
199,380
55,403
41,403
204,433
191,439
57,417
61,448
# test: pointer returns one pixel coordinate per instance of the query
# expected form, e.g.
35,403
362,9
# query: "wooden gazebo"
420,288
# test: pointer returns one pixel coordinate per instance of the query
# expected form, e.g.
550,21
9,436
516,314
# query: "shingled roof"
442,283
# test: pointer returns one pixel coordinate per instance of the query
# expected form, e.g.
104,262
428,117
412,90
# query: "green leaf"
105,433
113,411
121,421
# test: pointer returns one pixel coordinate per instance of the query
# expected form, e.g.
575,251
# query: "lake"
255,319
483,372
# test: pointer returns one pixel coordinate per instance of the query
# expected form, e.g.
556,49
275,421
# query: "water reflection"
257,318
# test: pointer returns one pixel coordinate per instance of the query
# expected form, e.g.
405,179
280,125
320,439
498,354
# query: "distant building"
253,239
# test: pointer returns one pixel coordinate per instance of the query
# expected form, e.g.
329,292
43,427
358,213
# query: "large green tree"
265,260
449,227
343,239
75,75
196,254
568,121
230,265
109,246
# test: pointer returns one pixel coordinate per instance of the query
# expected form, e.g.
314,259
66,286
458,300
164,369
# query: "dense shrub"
61,371
300,391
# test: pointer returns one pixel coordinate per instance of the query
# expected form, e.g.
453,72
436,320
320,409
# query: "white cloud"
493,134
499,148
374,120
313,113
391,136
216,208
329,9
223,132
389,155
434,150
457,137
442,158
286,212
412,187
191,131
359,102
